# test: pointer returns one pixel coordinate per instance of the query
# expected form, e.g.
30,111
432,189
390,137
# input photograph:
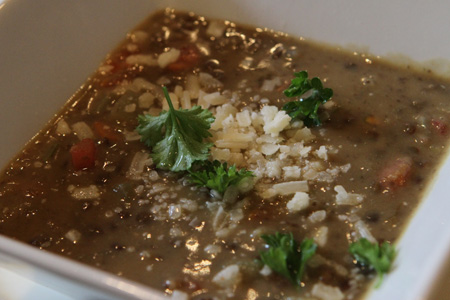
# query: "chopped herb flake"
374,256
307,108
217,176
286,257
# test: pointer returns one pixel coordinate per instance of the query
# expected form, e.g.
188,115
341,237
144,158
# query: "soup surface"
86,187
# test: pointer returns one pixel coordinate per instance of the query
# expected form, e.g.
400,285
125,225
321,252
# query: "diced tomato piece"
189,58
396,173
372,120
440,127
105,131
83,154
189,54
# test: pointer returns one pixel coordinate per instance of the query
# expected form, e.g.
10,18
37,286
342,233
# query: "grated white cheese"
185,100
265,271
192,86
273,169
132,47
130,108
270,84
174,211
321,236
141,59
322,153
304,135
243,118
84,193
216,29
138,36
291,187
73,235
131,136
166,58
208,82
299,202
344,198
274,121
104,69
146,100
62,127
326,292
139,162
318,216
82,130
291,172
213,249
220,154
363,231
179,295
140,83
215,99
269,149
229,277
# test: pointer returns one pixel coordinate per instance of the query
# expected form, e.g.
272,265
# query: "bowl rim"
419,285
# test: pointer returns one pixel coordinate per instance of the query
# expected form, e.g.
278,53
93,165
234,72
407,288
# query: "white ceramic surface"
49,47
16,287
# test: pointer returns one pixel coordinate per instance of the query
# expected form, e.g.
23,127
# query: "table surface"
441,290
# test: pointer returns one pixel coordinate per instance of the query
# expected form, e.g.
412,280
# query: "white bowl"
49,47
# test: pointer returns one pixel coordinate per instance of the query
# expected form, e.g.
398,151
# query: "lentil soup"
86,187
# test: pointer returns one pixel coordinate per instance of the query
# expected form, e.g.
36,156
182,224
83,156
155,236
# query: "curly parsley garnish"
217,176
177,136
306,108
374,256
286,257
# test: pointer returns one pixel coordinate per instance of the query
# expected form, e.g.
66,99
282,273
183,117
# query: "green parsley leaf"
286,257
217,176
176,136
374,256
306,108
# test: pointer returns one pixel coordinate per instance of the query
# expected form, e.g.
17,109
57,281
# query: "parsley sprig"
286,257
373,256
177,136
307,108
217,176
